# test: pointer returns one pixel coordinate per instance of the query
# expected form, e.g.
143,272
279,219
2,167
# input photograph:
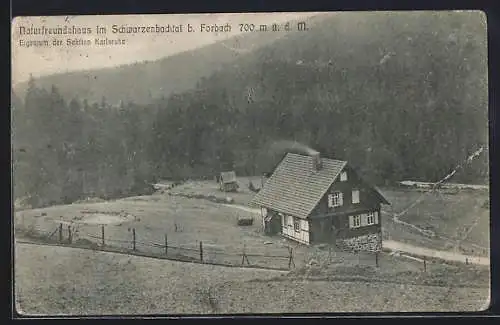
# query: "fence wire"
132,241
151,244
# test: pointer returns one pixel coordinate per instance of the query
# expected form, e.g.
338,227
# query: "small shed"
228,182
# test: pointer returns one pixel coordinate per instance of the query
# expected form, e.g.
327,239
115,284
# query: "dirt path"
407,248
243,208
444,255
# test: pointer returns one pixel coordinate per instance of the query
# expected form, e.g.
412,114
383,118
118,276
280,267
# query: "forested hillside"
66,150
159,78
398,96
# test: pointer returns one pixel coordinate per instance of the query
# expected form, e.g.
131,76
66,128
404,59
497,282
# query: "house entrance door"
324,230
333,234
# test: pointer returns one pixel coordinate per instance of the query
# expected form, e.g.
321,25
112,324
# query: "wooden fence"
65,235
145,244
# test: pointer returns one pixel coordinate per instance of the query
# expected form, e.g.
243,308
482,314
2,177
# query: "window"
296,225
343,176
355,221
355,196
370,218
335,199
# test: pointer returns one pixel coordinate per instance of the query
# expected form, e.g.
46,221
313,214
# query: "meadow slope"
188,220
459,219
57,280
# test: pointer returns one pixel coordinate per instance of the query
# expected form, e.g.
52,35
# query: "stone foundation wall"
367,243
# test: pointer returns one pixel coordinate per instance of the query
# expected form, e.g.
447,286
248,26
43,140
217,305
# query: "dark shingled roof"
295,188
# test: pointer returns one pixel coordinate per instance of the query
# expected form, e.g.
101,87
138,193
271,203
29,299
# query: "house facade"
311,200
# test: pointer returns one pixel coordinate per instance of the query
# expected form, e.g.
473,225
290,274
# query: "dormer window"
343,176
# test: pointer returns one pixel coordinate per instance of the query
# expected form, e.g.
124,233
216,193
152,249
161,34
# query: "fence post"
166,245
69,234
244,256
133,238
60,232
376,259
201,251
290,258
466,261
425,265
102,235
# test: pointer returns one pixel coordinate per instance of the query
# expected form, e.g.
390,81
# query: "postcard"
257,163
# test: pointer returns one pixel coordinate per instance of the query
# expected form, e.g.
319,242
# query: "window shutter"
330,200
305,225
351,221
363,220
341,199
376,217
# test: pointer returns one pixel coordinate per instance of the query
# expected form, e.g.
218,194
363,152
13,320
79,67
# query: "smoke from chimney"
293,146
296,146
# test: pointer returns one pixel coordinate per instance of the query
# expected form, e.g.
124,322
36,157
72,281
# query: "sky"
45,60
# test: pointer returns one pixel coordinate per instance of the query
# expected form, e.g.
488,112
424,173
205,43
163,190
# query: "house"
311,200
227,181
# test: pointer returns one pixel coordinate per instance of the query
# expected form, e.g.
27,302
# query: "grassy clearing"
199,220
72,281
452,216
57,280
215,225
211,188
154,216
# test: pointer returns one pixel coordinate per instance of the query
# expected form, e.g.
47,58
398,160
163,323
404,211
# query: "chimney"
316,161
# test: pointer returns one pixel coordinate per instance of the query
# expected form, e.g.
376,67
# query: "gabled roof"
295,188
375,190
379,195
